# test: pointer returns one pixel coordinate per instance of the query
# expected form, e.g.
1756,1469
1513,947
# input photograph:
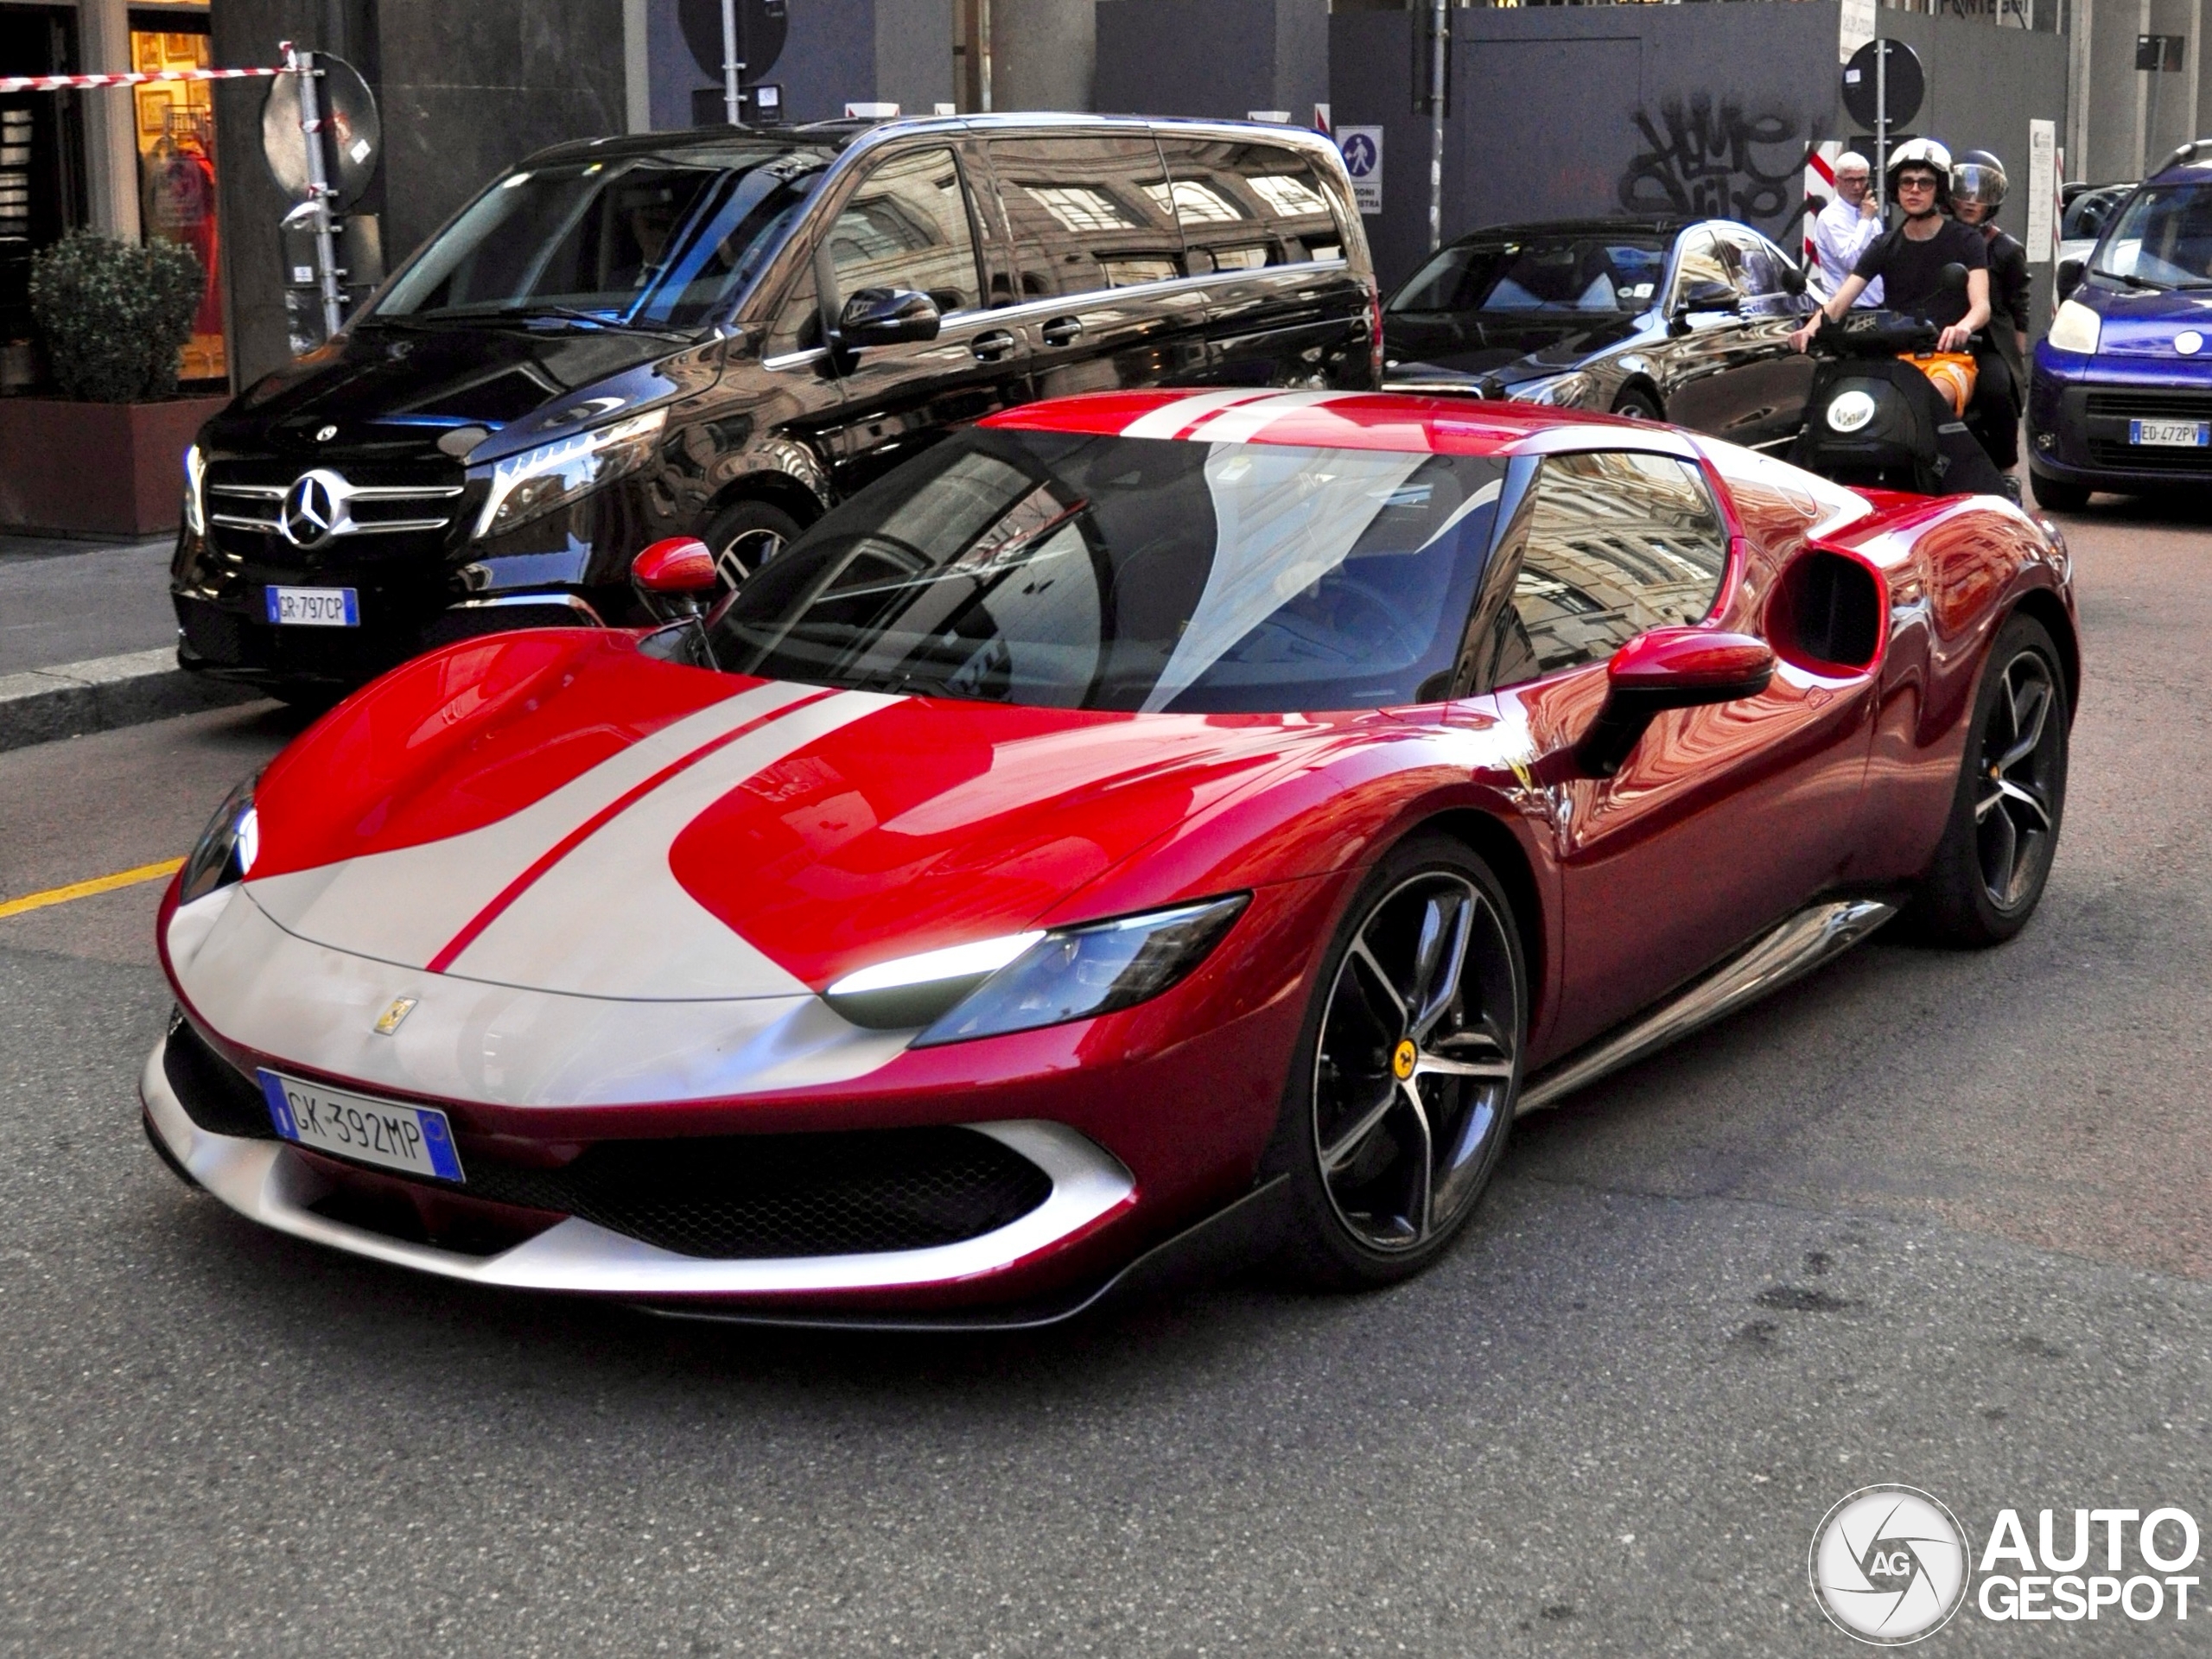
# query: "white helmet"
1923,152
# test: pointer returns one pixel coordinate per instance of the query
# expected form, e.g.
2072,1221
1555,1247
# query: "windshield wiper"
2134,282
571,314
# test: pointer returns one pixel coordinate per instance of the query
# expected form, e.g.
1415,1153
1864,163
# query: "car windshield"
665,241
1067,571
2163,239
1612,272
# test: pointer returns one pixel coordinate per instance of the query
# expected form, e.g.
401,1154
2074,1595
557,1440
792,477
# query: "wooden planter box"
96,469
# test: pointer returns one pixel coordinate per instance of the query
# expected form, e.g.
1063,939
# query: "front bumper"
2078,413
274,1184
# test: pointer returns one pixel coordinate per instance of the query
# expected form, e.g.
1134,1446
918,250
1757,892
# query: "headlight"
1023,980
1562,391
541,480
2076,328
195,483
228,847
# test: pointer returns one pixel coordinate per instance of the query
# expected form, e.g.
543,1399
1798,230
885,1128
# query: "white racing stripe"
403,906
1247,421
1171,418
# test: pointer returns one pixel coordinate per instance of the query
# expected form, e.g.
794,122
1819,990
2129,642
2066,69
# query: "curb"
71,699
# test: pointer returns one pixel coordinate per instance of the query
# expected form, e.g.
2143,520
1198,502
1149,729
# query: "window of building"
175,125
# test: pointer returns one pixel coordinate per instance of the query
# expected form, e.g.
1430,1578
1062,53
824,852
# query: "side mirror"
886,316
1953,278
1669,668
675,577
2069,276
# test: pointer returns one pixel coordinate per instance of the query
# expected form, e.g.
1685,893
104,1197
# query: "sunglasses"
1916,181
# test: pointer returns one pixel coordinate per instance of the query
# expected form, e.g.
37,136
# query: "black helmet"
1978,176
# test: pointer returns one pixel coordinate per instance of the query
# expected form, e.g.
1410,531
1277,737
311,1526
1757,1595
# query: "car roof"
1405,422
830,138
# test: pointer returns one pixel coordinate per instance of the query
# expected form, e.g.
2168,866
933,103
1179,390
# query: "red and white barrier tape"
64,83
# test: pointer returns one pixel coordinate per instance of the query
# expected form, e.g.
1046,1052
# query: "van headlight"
2075,329
544,480
1023,980
195,490
228,847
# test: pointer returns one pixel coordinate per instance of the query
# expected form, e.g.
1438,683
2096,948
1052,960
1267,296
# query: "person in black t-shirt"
1910,260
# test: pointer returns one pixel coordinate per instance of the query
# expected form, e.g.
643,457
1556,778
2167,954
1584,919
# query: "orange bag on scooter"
1953,374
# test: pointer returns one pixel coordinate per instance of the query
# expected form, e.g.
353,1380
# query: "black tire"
1638,405
2055,495
1362,1084
745,536
1990,868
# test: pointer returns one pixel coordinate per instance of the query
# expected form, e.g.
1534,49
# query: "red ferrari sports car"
1140,824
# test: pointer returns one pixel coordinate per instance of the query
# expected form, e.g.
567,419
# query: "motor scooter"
1886,409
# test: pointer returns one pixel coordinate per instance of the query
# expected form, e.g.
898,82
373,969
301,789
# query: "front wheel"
1990,868
743,538
1401,1094
2055,495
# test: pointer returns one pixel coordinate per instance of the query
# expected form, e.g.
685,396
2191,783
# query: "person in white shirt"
1847,226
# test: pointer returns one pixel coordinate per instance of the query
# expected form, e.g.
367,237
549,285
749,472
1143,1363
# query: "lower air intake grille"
723,1197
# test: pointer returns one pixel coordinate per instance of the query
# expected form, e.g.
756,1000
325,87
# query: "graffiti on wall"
1711,160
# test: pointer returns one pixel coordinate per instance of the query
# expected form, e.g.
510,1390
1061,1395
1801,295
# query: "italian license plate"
414,1139
2172,434
315,607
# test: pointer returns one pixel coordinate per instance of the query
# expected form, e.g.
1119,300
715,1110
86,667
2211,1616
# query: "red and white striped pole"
138,78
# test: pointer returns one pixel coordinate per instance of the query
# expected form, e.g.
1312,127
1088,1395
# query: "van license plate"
315,607
415,1138
2172,434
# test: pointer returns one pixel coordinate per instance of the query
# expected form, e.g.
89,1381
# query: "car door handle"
1061,331
990,348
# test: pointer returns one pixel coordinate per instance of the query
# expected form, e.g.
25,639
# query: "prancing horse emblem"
400,1009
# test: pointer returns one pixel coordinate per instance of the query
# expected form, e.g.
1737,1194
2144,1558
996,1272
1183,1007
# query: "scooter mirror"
1953,277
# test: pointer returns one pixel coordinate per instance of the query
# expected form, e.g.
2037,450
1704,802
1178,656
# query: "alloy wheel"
1415,1071
743,555
2013,807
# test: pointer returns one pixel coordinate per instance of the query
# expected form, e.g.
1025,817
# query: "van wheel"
745,537
1639,406
1401,1091
2055,495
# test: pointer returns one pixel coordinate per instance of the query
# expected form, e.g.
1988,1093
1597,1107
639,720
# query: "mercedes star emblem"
314,509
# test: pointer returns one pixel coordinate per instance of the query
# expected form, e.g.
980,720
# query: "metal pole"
1882,115
1440,38
732,69
983,54
326,245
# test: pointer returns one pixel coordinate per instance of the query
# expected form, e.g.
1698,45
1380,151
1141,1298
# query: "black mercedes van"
720,333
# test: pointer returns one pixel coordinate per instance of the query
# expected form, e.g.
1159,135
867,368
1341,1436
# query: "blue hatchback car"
2121,395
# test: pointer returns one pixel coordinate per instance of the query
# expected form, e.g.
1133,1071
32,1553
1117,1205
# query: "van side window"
907,227
1243,206
1084,214
796,326
1618,543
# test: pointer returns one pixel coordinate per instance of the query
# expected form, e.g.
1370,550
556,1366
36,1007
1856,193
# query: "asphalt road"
67,601
1928,1218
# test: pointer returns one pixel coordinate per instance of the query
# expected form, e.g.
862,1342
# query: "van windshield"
653,241
2163,239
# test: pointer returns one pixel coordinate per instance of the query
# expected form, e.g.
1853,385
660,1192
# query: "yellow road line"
167,867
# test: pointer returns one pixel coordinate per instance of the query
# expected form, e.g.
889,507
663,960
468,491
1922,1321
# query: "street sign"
761,25
1363,152
348,112
1856,27
2042,190
1862,88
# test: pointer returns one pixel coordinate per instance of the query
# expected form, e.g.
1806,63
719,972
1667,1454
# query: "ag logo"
1889,1564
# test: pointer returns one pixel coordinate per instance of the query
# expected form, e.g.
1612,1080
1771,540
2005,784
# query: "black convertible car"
1686,320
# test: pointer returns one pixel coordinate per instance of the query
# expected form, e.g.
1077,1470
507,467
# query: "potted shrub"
103,456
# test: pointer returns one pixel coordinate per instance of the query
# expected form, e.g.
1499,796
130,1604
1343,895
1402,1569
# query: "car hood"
2143,323
1501,344
380,387
558,812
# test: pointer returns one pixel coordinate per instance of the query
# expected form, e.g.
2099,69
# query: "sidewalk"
66,601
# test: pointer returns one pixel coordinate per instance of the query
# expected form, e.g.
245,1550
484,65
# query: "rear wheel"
1401,1094
743,538
2055,495
1638,405
1989,871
